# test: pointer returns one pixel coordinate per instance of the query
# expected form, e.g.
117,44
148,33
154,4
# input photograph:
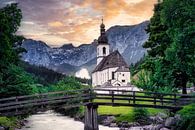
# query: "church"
111,68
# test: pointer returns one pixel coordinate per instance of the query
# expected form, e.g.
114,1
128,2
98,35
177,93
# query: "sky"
57,22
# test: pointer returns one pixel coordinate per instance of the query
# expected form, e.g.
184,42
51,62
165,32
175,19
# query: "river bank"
51,120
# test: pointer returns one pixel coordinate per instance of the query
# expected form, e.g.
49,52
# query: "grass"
123,113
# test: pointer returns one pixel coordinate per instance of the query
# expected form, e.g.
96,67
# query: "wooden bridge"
91,99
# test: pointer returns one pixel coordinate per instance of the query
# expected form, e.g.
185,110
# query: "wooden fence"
75,98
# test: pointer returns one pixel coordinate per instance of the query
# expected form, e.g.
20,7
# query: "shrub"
188,118
140,115
8,122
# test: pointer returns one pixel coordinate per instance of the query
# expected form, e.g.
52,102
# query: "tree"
181,29
171,44
9,23
158,38
14,81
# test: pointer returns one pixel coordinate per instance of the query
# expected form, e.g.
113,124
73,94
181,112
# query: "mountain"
69,59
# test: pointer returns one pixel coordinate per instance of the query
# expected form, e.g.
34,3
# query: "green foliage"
68,83
158,39
44,76
171,44
15,81
135,68
9,42
140,115
125,117
188,118
8,122
146,81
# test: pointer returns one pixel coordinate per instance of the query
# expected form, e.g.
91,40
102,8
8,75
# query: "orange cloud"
55,24
77,21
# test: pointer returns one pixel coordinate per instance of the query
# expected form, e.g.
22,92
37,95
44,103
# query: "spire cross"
102,20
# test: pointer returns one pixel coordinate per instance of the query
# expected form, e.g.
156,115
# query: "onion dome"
102,38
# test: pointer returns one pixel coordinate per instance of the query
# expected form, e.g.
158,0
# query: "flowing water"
53,121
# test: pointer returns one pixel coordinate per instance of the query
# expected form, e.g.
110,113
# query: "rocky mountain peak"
128,40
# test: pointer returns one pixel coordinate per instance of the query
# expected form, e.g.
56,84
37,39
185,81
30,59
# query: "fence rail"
76,98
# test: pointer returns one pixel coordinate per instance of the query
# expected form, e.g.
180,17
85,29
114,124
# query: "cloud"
77,21
55,24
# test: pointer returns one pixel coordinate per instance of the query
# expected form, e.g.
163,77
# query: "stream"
50,120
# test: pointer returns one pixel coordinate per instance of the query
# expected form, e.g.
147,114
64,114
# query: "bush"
188,118
8,122
140,115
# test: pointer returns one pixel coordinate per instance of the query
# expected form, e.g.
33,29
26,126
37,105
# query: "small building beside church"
111,68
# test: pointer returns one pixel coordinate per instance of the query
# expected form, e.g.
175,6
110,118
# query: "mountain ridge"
128,40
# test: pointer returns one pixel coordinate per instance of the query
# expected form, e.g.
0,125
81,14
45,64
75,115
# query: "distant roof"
114,59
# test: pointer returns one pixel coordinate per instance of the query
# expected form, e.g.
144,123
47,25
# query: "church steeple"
102,46
102,38
102,28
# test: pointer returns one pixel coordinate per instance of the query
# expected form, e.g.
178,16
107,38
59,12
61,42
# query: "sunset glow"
57,22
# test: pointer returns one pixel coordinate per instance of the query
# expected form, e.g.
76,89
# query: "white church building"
111,68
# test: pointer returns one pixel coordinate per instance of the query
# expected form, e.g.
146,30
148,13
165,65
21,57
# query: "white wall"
123,76
100,77
100,54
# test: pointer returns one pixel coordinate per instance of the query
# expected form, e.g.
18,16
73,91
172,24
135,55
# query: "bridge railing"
80,97
51,99
141,99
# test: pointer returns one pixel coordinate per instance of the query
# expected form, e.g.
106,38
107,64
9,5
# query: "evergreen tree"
179,16
10,18
13,80
158,38
171,44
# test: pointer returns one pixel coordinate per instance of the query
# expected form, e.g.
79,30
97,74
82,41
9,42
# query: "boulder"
2,128
162,115
113,125
157,127
171,121
108,120
156,119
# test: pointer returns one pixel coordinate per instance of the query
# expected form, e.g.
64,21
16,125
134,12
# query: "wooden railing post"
112,96
41,96
175,99
91,117
162,100
95,117
133,97
91,95
155,99
16,102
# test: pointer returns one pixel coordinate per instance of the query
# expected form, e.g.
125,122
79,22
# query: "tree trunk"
184,84
184,90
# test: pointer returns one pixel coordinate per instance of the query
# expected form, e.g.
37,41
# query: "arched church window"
104,50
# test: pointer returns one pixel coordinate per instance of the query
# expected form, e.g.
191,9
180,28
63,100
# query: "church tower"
102,46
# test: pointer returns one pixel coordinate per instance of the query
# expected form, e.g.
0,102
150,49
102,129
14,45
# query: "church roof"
114,59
